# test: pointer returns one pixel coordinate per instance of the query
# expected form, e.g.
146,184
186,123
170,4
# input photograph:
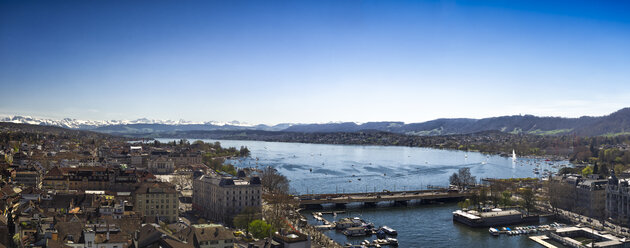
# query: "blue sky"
313,61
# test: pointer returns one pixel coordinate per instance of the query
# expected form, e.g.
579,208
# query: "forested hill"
613,124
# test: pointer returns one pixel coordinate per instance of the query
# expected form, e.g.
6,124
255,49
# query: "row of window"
151,201
162,212
158,206
214,242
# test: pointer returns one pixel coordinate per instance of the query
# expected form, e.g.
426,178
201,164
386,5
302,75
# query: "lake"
318,168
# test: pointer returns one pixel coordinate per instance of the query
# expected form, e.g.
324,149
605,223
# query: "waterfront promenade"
585,221
371,198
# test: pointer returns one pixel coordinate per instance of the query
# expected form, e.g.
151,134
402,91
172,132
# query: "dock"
541,240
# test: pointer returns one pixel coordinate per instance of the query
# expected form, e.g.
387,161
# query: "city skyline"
312,62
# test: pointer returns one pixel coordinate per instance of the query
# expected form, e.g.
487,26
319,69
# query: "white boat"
493,231
389,230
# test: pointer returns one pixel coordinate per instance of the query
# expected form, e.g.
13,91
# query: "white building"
221,197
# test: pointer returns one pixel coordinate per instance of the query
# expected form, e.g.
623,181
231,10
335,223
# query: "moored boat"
389,231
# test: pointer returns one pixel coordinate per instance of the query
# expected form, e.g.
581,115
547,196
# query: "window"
89,243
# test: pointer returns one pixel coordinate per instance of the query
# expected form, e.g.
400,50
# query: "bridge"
372,198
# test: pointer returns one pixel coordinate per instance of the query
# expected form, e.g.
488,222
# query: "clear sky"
313,61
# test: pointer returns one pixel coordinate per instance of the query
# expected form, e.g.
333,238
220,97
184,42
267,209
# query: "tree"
595,169
474,201
506,198
244,152
273,181
181,181
454,180
465,177
528,199
587,171
16,240
246,216
259,229
464,204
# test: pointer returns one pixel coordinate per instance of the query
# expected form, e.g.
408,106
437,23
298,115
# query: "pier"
372,198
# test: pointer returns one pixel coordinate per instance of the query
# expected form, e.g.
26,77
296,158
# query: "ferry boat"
389,231
355,231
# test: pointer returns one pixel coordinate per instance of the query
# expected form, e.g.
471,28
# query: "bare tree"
454,180
466,178
281,205
181,181
528,197
273,181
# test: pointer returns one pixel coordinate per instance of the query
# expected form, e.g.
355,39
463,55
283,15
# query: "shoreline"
497,153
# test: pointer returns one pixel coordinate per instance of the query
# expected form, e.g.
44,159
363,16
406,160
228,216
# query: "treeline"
28,132
603,154
214,154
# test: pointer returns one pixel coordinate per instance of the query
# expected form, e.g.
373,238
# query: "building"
30,178
574,237
95,178
590,197
293,240
208,236
157,201
496,217
585,196
90,239
161,165
153,236
618,200
186,158
221,197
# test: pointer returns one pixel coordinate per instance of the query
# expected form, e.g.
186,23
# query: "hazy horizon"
313,61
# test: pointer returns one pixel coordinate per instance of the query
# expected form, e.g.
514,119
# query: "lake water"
317,168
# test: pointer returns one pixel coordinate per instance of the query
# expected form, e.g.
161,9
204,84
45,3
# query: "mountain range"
613,124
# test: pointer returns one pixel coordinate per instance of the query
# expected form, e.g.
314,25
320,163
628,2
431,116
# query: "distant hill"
344,127
6,127
614,124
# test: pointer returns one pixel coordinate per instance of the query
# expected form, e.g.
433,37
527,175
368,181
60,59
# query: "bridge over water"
372,198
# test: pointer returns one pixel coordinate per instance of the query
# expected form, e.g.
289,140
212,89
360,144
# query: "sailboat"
513,155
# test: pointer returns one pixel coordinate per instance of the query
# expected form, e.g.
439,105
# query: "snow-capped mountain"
91,124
